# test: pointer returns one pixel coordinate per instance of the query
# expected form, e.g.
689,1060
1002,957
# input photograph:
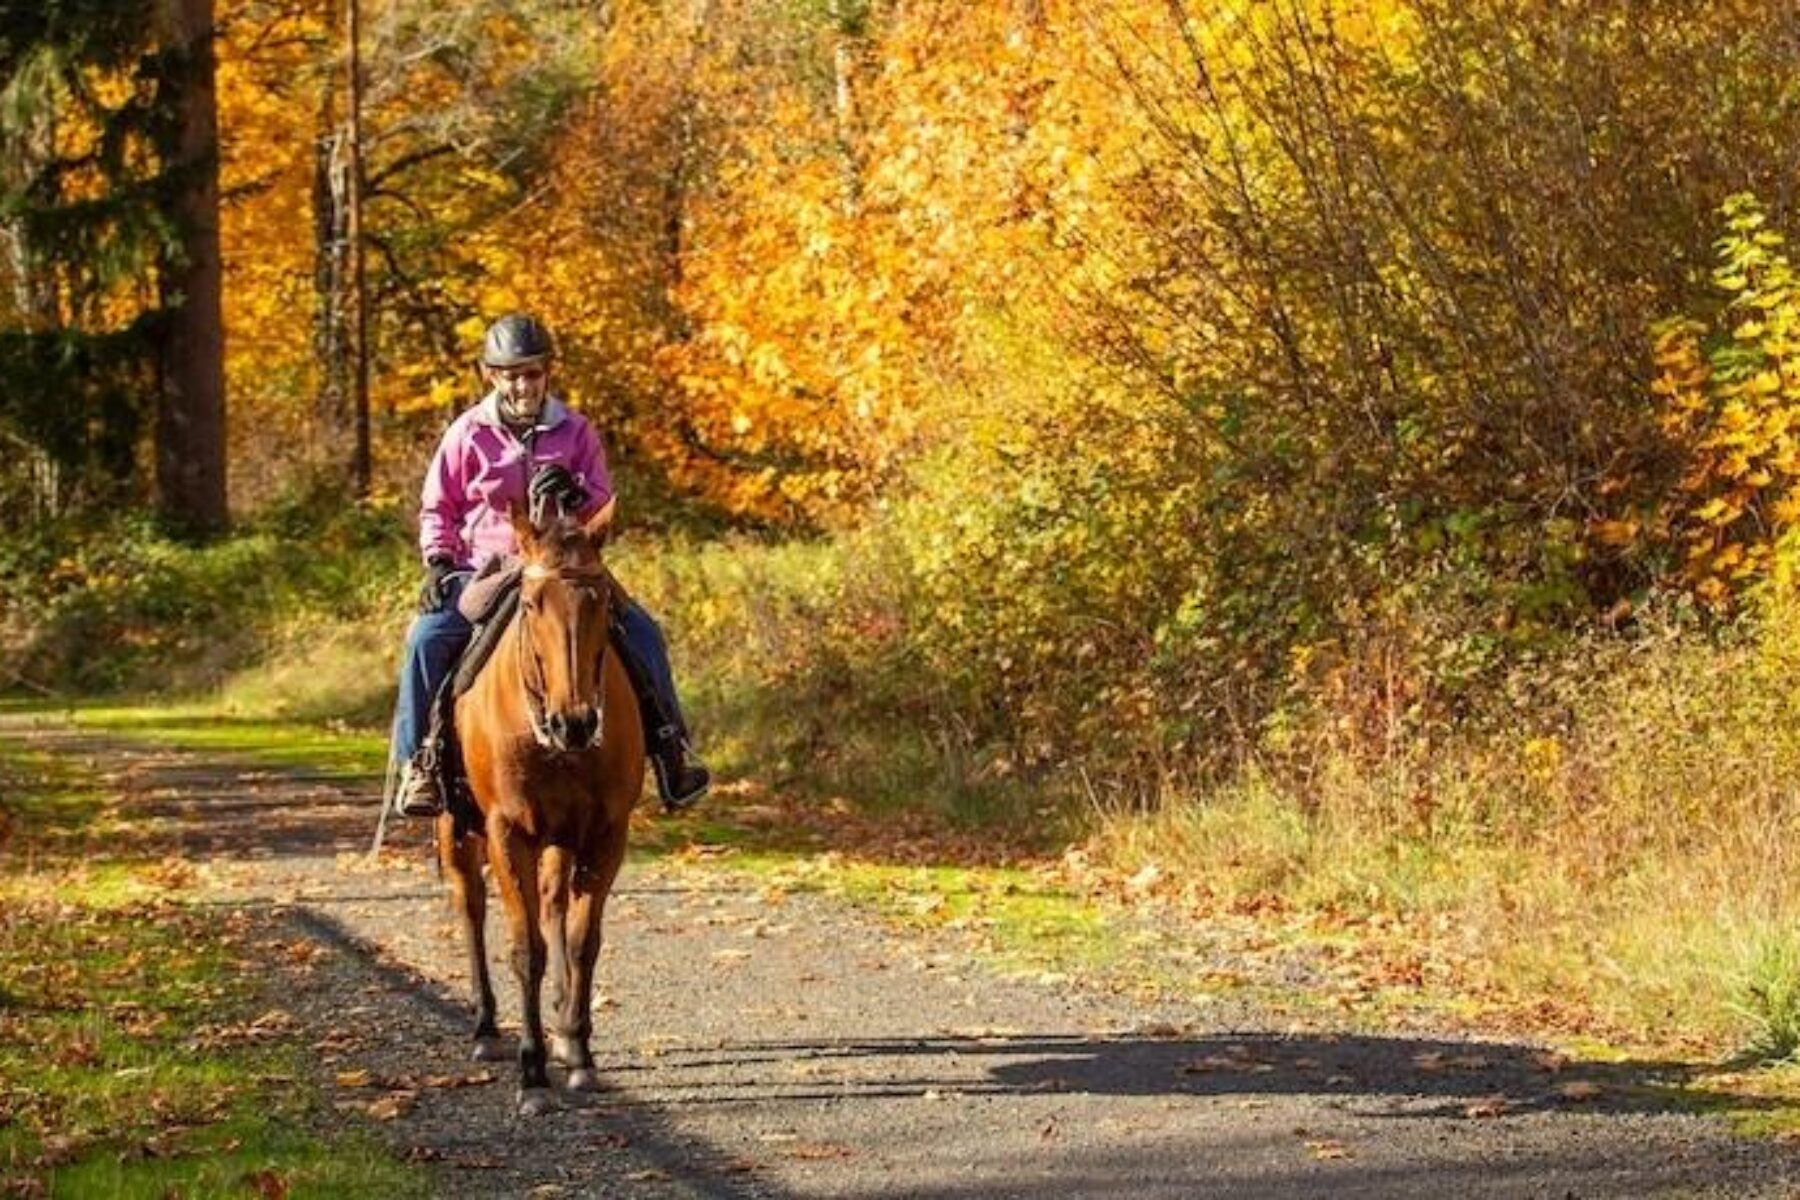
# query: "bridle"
531,667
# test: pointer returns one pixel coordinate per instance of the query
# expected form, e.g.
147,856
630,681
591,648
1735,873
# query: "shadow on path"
431,1027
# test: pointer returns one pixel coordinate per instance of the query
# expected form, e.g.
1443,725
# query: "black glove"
554,485
432,593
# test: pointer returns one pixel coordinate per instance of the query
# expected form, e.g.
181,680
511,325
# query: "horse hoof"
535,1102
584,1079
488,1050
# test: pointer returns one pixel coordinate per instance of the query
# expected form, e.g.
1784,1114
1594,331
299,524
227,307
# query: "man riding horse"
521,449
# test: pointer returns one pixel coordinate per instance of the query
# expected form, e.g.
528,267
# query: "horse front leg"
554,869
461,860
589,888
515,859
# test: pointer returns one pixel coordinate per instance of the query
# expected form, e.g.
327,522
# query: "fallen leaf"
61,1148
350,1079
392,1105
1162,1031
476,1079
267,1184
924,906
1328,1148
1145,879
1487,1106
817,1151
477,1162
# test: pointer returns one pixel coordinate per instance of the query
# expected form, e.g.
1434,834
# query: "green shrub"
118,604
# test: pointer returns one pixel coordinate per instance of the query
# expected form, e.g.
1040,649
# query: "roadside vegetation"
139,1054
1600,859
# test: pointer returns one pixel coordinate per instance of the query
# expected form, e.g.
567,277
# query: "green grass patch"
137,1058
218,728
1013,917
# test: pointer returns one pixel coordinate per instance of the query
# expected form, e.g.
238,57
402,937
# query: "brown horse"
554,750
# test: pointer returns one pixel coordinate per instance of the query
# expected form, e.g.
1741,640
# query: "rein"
531,667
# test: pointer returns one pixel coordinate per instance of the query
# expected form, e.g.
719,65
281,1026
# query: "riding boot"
420,793
422,780
681,778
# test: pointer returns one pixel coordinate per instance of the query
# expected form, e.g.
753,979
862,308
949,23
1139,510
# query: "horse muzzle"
566,732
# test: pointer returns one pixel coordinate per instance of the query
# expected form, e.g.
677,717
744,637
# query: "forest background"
1329,458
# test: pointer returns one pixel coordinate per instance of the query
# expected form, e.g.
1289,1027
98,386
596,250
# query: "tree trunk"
331,339
848,18
190,426
27,147
357,306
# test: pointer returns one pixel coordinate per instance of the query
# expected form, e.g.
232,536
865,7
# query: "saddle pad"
500,607
488,589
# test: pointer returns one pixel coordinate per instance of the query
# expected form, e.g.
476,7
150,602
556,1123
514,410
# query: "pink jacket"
479,474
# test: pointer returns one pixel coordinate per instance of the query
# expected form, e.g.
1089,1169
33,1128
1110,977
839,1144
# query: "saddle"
488,604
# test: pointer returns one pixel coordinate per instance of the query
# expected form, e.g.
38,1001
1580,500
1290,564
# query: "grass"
1620,874
224,727
1633,867
132,1062
1017,919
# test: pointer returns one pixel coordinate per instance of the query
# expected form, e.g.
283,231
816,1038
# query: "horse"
553,750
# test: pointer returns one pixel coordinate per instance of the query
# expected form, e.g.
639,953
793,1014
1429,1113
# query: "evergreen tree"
105,119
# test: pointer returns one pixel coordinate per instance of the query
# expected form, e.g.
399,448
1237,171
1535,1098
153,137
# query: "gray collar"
554,414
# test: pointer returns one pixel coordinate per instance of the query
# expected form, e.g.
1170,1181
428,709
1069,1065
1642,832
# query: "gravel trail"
760,1044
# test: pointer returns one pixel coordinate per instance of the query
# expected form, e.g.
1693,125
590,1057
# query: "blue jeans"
436,640
433,644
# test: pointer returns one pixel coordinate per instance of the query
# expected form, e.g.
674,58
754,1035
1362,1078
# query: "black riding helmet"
516,339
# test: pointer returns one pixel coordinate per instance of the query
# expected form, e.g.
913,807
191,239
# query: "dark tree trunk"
190,425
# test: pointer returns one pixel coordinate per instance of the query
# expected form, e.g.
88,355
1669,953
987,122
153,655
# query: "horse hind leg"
461,861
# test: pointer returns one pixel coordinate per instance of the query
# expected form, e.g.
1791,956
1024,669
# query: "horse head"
566,597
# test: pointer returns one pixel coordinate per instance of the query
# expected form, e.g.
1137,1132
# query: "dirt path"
762,1045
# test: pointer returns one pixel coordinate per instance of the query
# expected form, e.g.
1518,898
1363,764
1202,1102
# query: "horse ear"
522,527
599,526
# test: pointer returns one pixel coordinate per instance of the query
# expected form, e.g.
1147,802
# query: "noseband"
531,667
